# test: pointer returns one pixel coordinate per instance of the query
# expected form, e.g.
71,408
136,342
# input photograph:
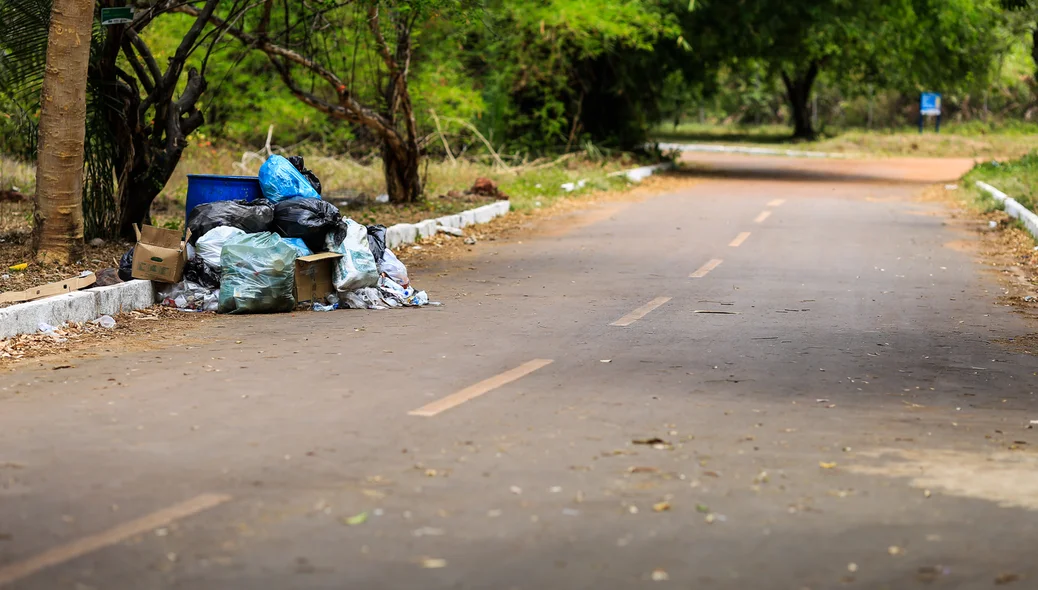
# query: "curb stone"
1013,208
408,233
81,306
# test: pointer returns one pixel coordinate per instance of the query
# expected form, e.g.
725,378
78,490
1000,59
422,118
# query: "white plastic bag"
394,269
356,269
211,244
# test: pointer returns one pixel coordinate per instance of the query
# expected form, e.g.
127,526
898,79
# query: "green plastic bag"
258,274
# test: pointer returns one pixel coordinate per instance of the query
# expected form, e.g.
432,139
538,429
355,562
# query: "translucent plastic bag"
279,181
258,275
356,269
394,269
211,244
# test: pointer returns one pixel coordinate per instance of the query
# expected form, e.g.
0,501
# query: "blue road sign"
930,104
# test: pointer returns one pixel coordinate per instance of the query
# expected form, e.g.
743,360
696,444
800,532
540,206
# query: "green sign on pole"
120,15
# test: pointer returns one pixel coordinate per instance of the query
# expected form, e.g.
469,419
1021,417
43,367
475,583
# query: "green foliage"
547,64
1017,178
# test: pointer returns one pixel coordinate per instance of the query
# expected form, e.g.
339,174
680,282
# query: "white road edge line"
641,312
739,239
763,215
473,391
776,202
16,571
706,268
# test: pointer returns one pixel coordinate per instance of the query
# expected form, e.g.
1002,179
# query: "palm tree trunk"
58,214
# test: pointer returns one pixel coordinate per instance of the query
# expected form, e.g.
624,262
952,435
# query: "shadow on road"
887,171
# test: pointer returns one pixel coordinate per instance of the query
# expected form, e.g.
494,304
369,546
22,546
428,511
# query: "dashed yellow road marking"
739,239
473,391
706,268
776,202
641,312
763,215
16,571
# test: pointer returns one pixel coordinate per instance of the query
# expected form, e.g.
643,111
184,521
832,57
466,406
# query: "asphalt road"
779,378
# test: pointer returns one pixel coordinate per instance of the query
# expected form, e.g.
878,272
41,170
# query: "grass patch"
17,176
970,140
532,186
1016,178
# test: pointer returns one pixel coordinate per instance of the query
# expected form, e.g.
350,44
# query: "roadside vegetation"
416,99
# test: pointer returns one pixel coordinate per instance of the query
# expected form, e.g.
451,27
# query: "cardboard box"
85,279
159,254
314,276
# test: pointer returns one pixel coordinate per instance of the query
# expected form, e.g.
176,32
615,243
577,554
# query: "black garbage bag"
249,216
377,242
297,162
126,265
309,219
201,272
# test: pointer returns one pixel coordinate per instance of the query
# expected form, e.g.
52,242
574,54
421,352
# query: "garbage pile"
287,249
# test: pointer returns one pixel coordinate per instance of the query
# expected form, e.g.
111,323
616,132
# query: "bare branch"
380,41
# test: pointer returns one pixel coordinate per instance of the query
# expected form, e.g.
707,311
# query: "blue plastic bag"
279,181
301,248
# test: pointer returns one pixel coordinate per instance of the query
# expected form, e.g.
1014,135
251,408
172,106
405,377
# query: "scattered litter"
655,442
189,296
516,490
852,567
470,240
659,575
951,187
826,465
572,186
433,563
894,550
570,512
606,361
428,531
383,198
19,267
703,508
716,311
992,224
643,470
661,507
356,519
105,321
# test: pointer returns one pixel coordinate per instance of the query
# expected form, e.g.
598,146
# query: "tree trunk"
58,214
403,175
798,91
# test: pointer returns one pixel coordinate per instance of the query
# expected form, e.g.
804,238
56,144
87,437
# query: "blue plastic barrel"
208,188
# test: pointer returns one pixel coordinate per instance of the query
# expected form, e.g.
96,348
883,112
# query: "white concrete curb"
758,151
640,174
409,233
80,306
1013,208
